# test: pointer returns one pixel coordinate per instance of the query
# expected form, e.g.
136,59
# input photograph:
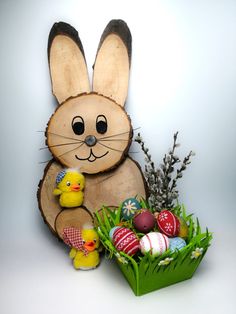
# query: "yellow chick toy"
70,184
84,245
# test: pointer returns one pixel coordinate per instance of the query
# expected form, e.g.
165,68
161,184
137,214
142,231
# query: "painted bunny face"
90,129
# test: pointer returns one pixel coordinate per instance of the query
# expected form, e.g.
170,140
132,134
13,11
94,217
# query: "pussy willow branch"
162,186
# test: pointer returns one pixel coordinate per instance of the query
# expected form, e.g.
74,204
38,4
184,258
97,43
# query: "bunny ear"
67,63
112,64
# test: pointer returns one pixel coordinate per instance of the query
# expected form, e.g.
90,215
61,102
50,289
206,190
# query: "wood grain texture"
110,188
48,203
71,150
120,28
73,133
111,68
67,63
115,186
75,217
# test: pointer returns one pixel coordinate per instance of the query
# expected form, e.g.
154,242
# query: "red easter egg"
168,223
126,241
144,221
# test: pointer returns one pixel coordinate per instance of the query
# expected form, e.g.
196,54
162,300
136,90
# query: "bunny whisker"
116,150
56,134
71,150
105,137
113,140
58,145
69,138
44,162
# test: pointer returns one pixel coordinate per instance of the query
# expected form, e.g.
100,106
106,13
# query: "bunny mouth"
91,157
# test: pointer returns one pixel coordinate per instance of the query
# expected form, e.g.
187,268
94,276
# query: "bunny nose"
90,140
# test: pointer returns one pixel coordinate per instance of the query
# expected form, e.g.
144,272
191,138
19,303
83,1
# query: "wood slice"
67,63
48,203
76,217
79,119
111,68
113,187
109,189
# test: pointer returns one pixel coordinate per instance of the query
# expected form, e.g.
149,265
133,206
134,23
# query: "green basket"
147,273
149,276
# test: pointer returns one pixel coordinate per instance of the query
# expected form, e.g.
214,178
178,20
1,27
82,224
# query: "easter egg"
144,221
129,208
183,228
176,244
111,232
168,223
155,243
125,240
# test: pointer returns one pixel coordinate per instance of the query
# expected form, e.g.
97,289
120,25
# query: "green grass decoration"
146,273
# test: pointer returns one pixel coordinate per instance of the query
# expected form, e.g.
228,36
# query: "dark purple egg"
144,221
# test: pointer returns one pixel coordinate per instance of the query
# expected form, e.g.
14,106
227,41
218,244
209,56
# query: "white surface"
183,78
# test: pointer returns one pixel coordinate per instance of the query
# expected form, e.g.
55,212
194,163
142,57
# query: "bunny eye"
101,124
78,125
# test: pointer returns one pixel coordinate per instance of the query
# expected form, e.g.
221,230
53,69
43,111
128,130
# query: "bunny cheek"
91,132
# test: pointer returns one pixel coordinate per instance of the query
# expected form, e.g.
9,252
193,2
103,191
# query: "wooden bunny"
90,128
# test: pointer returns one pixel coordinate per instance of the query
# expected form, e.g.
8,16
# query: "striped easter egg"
168,223
125,240
155,243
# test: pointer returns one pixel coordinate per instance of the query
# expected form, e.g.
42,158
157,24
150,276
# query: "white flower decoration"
129,208
197,252
165,261
168,227
163,216
121,259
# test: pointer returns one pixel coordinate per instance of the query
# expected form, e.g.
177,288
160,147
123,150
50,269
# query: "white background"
182,78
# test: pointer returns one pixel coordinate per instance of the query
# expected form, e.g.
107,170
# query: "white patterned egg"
155,243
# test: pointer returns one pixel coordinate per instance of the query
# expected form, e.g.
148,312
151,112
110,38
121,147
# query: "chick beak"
75,188
90,246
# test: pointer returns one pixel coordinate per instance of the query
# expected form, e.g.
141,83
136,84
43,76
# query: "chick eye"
101,124
84,242
78,125
68,183
94,240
